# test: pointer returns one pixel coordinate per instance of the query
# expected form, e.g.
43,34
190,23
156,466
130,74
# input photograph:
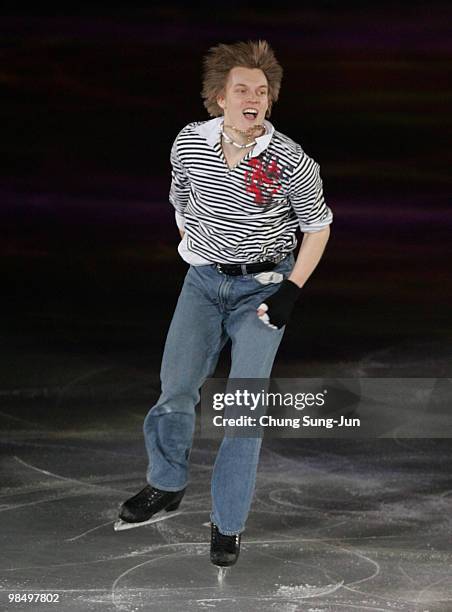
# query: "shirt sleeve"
306,196
180,186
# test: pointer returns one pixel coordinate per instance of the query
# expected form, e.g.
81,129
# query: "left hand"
276,310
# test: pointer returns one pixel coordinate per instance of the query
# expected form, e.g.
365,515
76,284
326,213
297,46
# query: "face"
246,90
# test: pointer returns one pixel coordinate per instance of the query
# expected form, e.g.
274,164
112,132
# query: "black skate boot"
142,506
224,549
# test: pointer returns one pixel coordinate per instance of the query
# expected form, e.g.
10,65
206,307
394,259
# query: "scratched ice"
334,525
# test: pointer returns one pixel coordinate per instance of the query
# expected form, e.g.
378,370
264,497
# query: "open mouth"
250,113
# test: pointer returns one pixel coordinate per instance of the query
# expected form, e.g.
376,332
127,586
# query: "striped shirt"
251,212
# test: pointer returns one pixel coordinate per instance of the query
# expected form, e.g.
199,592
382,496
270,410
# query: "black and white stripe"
249,213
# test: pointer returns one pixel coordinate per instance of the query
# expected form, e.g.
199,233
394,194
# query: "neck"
242,136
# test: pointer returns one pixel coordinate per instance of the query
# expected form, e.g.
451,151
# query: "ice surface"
335,525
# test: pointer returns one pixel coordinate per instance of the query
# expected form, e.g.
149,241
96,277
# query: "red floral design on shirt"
262,180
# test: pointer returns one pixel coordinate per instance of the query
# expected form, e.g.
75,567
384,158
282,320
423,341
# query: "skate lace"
149,495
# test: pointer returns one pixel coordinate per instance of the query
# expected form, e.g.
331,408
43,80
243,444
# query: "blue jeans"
212,307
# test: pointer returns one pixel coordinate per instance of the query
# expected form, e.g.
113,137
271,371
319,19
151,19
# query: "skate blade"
222,573
121,525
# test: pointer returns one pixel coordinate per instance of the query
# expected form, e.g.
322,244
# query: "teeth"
250,110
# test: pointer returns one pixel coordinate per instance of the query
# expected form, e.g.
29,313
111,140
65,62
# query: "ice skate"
146,507
224,549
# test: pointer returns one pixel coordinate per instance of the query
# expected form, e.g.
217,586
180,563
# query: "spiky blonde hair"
220,59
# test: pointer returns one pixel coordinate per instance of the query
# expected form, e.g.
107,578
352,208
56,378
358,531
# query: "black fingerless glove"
281,303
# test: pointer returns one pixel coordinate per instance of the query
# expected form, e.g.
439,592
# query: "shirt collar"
211,130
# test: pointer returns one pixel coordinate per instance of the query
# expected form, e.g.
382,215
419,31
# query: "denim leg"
193,344
254,347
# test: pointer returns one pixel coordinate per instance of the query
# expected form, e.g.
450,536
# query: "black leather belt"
238,269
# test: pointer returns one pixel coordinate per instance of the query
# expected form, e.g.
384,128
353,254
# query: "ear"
221,101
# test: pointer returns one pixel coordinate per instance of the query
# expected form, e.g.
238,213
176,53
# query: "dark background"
91,102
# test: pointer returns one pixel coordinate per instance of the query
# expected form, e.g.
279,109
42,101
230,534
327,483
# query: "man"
240,189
